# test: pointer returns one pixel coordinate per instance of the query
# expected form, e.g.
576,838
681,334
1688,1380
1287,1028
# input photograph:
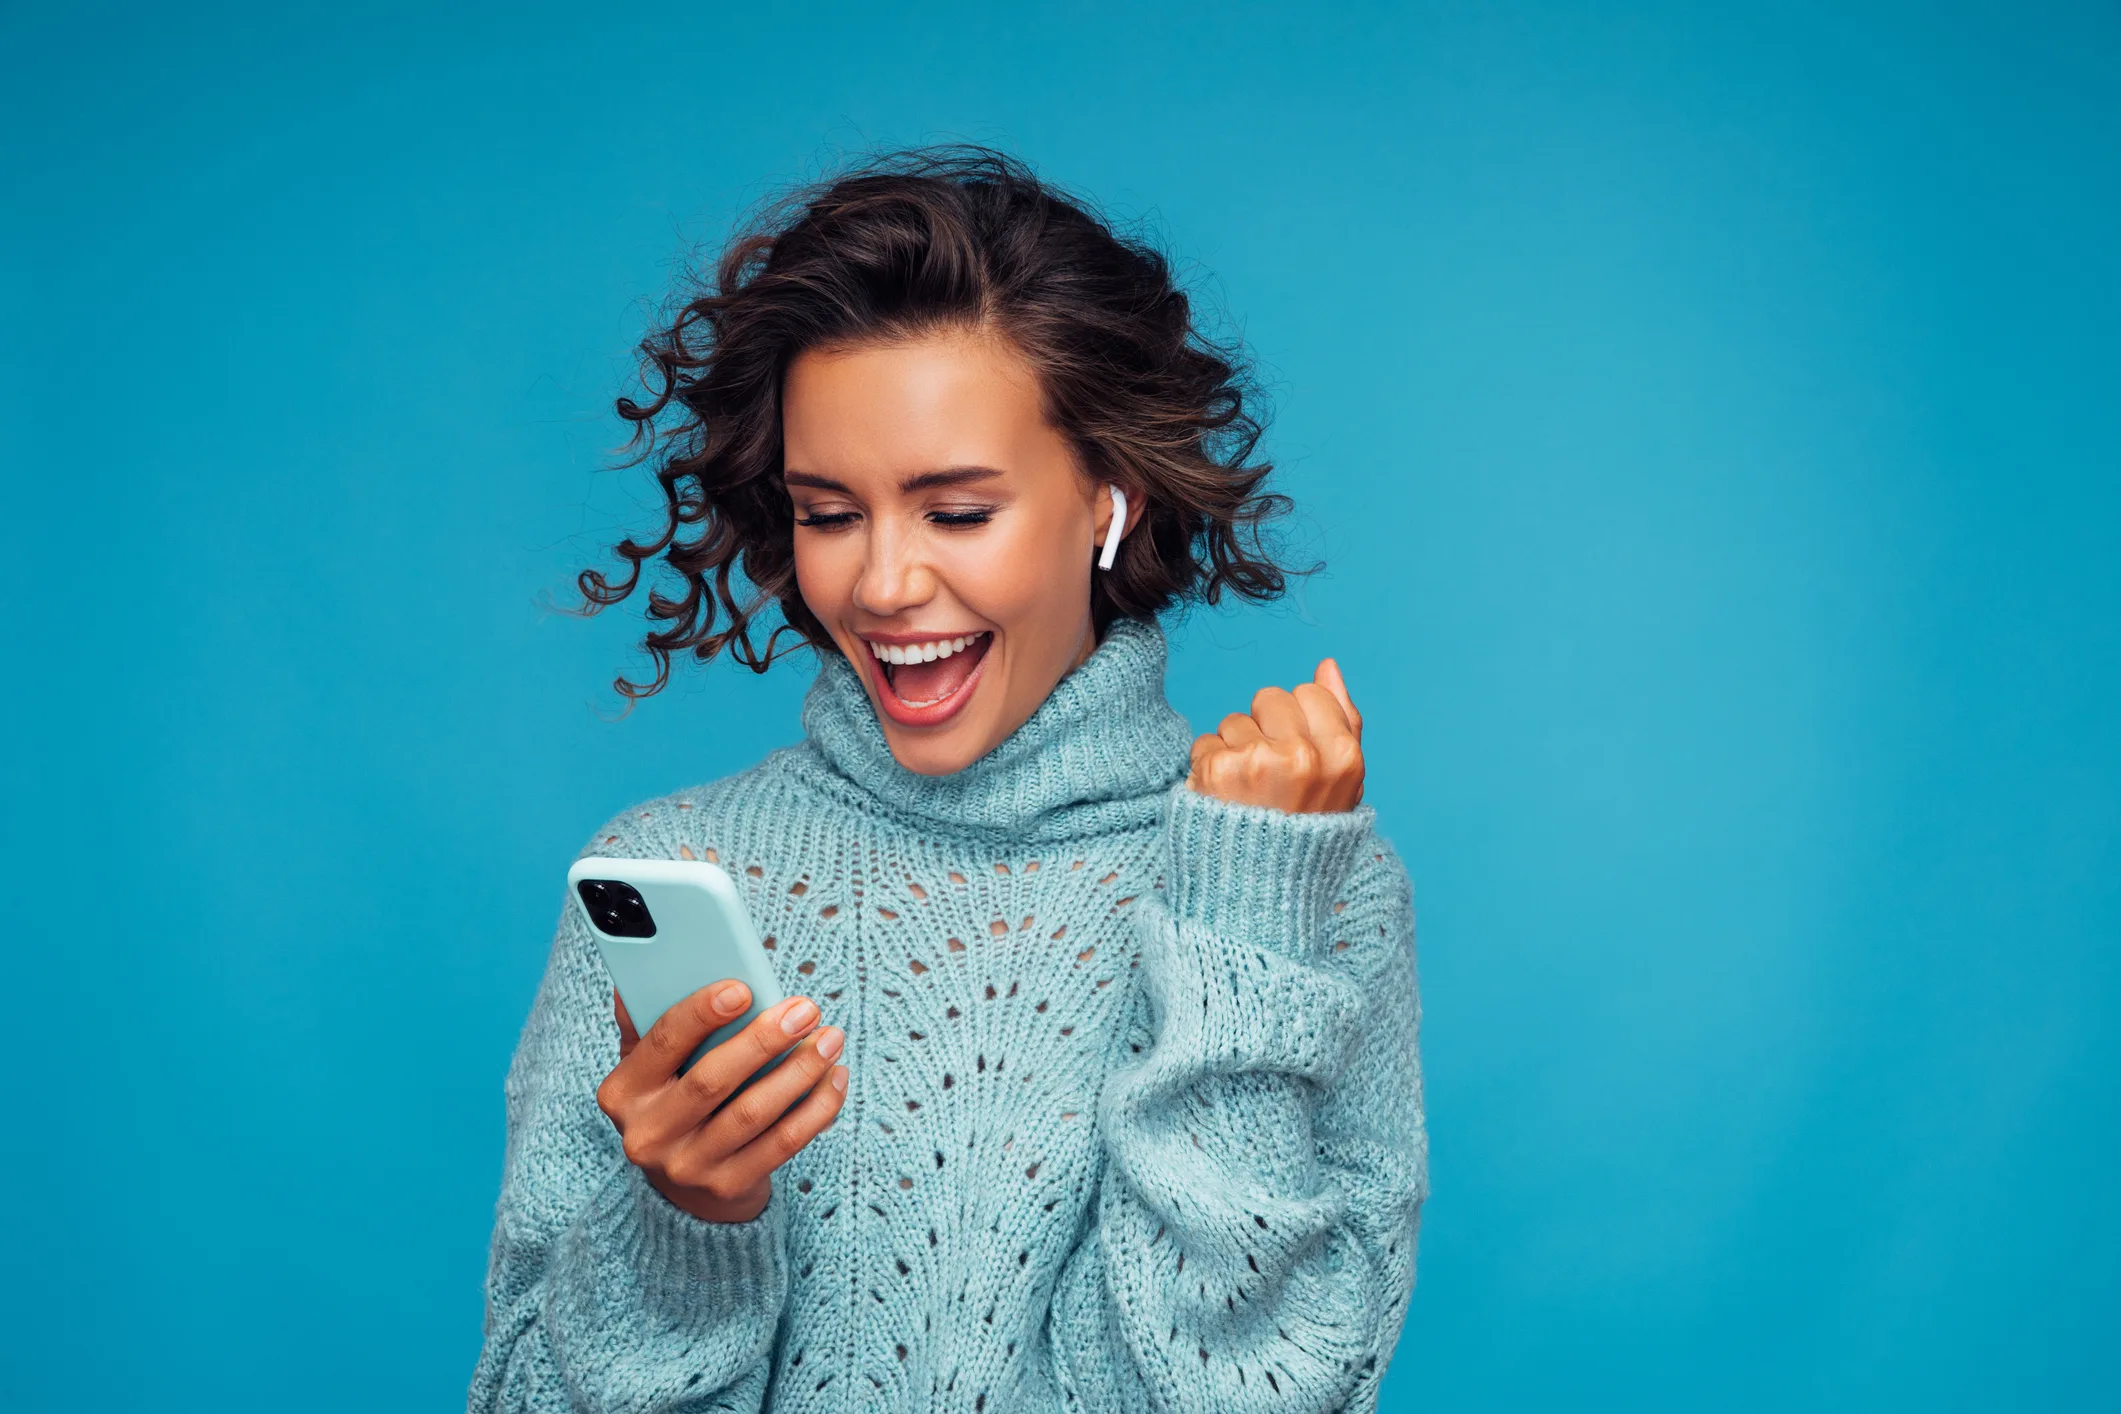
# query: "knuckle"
639,1152
661,1042
748,1112
788,1140
705,1085
766,1042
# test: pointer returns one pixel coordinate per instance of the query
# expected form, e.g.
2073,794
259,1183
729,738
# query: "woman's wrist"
1261,875
707,1207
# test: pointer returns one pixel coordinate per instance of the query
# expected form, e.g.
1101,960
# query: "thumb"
1328,677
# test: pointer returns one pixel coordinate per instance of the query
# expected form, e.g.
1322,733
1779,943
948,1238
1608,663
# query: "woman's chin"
926,757
943,749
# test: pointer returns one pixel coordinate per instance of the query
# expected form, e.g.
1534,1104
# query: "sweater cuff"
1258,875
709,1268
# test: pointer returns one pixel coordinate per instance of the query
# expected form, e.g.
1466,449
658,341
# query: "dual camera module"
617,908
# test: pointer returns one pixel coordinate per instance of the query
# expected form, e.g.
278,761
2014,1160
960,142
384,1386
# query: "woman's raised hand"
1298,751
714,1159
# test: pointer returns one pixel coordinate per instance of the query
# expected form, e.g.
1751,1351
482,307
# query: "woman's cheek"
1026,583
825,588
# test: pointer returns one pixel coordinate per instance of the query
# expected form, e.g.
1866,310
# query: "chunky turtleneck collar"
1099,754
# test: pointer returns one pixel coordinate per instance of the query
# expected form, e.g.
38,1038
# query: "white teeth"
923,652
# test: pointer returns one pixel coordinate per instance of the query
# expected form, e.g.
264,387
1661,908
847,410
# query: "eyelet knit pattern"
1134,1119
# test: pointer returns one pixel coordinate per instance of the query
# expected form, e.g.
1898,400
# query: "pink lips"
928,714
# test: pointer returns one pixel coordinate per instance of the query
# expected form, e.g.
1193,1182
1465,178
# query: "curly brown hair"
899,246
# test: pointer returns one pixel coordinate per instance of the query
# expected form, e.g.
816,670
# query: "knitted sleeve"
600,1293
1254,1238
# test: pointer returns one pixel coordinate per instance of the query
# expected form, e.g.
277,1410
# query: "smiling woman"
935,505
1014,292
1098,1085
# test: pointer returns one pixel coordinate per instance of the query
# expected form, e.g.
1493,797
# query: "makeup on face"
945,535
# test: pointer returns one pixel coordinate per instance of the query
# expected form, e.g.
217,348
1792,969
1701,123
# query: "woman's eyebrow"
952,476
925,481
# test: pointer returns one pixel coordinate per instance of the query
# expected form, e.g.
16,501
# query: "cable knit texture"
1134,1119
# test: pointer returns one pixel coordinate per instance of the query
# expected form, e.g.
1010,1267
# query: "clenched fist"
1298,751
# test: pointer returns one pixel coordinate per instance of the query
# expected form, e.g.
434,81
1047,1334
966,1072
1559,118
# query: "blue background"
1709,416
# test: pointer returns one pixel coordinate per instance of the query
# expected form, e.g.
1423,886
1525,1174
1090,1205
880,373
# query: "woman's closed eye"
833,520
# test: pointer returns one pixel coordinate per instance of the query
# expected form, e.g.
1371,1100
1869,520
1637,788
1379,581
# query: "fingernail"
829,1041
839,1078
797,1018
730,997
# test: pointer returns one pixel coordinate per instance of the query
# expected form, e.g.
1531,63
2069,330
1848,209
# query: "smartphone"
668,927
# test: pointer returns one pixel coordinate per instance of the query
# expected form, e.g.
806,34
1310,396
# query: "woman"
1103,1090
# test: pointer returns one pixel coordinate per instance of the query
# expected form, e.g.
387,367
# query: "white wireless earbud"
1119,524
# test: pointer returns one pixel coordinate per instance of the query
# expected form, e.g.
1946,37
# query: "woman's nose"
895,576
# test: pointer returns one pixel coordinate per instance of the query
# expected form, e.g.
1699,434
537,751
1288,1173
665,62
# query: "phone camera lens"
617,907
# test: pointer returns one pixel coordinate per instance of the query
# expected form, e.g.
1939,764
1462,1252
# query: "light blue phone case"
702,934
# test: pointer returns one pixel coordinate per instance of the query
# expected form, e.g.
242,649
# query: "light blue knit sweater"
1134,1119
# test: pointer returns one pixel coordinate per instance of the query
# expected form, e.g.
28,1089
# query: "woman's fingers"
1278,715
1323,719
760,1104
1204,744
647,1063
1297,750
756,1161
682,1130
677,1033
1207,750
1329,677
700,1091
1238,731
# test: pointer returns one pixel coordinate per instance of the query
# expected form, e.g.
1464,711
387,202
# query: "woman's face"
941,519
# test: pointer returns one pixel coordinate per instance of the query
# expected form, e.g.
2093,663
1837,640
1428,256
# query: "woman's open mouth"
922,684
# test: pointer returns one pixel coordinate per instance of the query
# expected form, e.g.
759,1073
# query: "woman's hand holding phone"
711,1155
